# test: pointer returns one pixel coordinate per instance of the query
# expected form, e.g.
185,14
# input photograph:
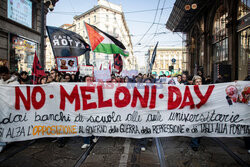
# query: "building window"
244,8
78,25
107,17
94,18
220,35
89,20
244,54
21,53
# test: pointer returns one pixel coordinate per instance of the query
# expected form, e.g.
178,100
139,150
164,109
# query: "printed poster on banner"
130,110
86,70
67,64
102,75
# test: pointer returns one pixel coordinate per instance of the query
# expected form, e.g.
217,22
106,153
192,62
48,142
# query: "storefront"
243,30
22,53
218,34
20,32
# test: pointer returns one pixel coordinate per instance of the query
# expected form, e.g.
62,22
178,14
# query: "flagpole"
90,43
153,58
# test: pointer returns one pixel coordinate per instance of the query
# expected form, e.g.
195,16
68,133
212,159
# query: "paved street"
124,152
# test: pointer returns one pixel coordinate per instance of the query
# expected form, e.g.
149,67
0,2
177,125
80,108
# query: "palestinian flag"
104,43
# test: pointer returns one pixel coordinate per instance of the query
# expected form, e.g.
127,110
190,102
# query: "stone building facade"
218,34
20,32
167,57
109,18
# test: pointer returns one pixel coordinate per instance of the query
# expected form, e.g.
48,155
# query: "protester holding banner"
67,78
6,78
195,142
42,80
24,78
126,79
86,140
144,141
184,79
179,78
55,75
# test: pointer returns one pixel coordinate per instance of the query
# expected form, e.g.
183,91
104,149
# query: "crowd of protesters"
55,76
6,77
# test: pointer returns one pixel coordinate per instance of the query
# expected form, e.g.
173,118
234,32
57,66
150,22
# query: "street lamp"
188,7
51,8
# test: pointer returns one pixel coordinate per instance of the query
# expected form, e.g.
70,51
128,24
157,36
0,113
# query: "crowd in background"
55,76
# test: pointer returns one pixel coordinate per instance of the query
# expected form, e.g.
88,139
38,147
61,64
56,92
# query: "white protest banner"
125,110
86,70
129,73
102,75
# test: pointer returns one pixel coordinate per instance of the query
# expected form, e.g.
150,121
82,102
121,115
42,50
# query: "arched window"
244,8
220,35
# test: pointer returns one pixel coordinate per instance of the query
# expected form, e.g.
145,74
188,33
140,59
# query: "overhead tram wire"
152,34
72,6
160,16
139,21
128,20
151,39
159,33
128,12
150,25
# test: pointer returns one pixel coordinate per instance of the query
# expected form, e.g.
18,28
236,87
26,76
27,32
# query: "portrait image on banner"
67,64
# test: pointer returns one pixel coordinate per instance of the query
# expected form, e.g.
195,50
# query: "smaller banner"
102,75
86,70
66,43
67,64
170,81
129,73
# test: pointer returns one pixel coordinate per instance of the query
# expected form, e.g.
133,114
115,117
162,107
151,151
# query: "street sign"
173,60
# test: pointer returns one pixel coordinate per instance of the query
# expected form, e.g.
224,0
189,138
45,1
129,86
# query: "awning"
181,19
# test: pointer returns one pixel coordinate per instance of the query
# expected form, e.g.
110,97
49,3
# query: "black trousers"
247,142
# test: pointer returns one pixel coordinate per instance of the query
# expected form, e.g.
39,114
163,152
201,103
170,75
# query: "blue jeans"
143,142
195,142
2,144
86,140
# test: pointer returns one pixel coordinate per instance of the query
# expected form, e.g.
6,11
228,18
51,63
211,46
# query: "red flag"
101,67
37,70
118,64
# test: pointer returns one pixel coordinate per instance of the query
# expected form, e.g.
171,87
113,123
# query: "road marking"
124,156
